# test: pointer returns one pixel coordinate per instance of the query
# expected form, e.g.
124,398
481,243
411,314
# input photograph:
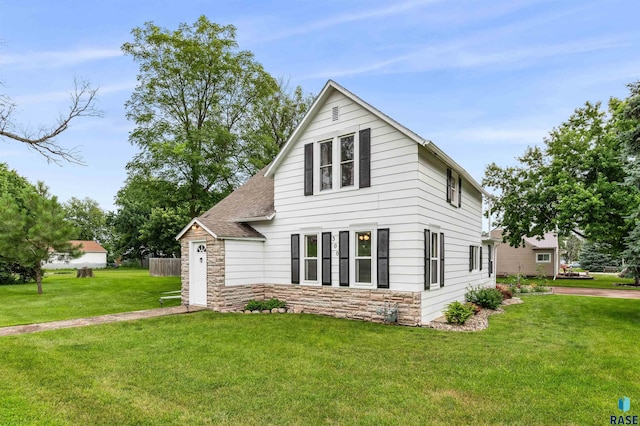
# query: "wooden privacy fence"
164,267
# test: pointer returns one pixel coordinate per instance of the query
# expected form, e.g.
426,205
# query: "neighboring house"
534,257
355,211
93,256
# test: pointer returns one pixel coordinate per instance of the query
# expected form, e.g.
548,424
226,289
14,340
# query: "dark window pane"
311,270
326,178
325,153
347,174
363,270
434,271
346,148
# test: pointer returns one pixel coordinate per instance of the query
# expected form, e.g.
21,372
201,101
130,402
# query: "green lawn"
552,360
599,280
65,296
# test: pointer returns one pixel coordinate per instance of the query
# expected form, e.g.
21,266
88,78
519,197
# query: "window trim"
336,175
548,255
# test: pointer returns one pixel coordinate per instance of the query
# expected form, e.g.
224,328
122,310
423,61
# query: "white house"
356,212
93,256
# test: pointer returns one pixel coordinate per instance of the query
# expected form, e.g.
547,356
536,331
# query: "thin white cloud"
55,59
395,9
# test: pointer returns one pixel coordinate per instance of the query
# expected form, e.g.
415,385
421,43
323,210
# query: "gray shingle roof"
251,201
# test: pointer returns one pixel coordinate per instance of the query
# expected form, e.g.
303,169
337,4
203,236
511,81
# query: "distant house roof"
251,202
548,241
88,246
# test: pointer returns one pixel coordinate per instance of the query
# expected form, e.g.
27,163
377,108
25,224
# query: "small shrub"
484,297
262,305
458,313
473,306
253,305
273,303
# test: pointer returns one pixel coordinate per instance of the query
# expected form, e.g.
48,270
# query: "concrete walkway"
599,292
103,319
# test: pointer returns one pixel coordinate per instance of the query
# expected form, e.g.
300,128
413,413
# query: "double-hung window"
435,258
326,165
364,244
311,257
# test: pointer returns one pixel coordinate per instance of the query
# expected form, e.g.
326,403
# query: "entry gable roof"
251,202
326,91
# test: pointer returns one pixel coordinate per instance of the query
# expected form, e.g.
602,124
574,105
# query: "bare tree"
43,140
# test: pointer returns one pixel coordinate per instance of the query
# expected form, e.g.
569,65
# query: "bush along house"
357,217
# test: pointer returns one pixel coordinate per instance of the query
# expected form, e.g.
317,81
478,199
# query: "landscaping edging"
479,321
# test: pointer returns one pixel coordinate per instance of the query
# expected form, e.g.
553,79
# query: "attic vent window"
335,113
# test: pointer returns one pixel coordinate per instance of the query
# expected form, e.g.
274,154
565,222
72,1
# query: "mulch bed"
478,322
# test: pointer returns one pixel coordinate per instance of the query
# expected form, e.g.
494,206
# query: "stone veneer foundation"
339,302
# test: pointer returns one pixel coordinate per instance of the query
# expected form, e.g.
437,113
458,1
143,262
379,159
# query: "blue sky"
480,79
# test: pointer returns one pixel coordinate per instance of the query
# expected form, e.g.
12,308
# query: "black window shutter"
459,192
490,258
470,258
427,259
481,258
365,158
383,258
344,258
326,258
295,258
448,185
308,169
441,259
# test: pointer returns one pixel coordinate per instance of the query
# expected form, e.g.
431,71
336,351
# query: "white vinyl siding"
244,262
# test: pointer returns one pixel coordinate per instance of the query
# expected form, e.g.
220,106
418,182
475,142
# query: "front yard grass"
600,280
552,360
65,296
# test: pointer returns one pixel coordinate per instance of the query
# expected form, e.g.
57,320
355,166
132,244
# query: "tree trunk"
39,277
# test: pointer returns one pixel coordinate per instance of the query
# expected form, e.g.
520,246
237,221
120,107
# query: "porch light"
363,237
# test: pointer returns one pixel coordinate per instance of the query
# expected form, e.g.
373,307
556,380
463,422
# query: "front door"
198,273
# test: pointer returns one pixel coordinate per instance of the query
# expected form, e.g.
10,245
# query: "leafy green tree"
572,184
630,139
199,110
136,233
12,185
32,226
88,218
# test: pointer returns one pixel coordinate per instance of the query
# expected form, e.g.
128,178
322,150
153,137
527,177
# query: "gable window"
543,257
311,257
363,257
342,161
454,188
326,165
346,161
